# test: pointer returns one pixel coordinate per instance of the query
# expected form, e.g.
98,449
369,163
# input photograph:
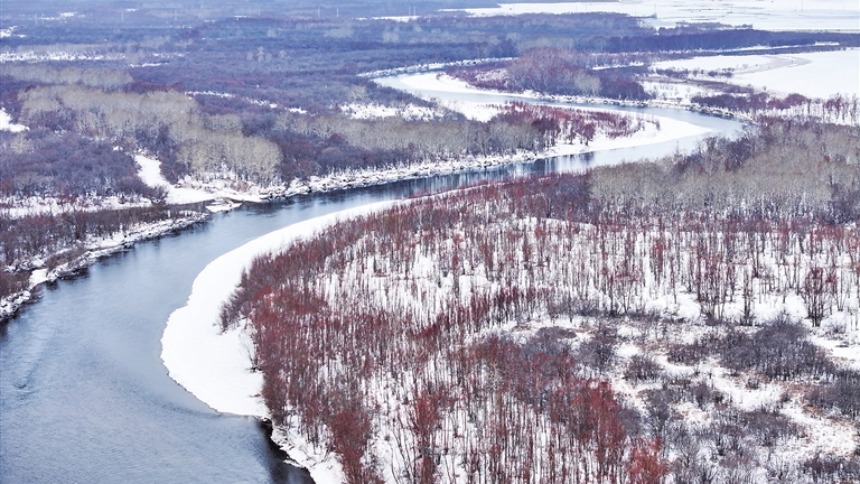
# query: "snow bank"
215,367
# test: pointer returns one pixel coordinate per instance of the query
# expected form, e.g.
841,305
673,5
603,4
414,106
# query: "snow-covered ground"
190,191
674,91
841,15
227,95
814,74
215,367
409,112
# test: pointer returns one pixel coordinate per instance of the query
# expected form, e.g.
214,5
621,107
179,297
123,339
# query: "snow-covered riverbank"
216,366
93,251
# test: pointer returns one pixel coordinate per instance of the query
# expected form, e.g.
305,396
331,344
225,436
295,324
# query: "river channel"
84,396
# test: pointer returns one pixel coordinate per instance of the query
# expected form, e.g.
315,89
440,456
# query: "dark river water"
84,396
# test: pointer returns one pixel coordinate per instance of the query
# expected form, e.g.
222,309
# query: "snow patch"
7,32
409,112
6,123
32,56
192,191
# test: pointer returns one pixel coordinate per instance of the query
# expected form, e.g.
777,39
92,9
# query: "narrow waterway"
84,396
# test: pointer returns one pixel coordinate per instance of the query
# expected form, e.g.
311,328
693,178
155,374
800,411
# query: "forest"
654,322
673,321
258,99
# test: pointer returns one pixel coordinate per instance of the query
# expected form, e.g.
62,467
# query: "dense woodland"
615,327
209,94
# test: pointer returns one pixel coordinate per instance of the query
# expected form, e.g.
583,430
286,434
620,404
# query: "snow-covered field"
215,367
814,74
841,15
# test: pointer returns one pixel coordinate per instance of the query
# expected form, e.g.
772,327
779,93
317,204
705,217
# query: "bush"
767,426
599,352
642,368
778,350
688,354
843,393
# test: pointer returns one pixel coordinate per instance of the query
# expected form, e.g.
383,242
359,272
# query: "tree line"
51,240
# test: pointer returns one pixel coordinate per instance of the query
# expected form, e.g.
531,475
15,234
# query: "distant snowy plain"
831,15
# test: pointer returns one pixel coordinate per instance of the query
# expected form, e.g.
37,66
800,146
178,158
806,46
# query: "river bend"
84,396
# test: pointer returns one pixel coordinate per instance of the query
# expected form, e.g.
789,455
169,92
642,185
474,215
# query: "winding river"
84,396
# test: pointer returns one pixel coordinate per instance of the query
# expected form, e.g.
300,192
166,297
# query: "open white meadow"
841,15
813,74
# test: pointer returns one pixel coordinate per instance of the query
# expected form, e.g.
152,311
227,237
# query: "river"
84,396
